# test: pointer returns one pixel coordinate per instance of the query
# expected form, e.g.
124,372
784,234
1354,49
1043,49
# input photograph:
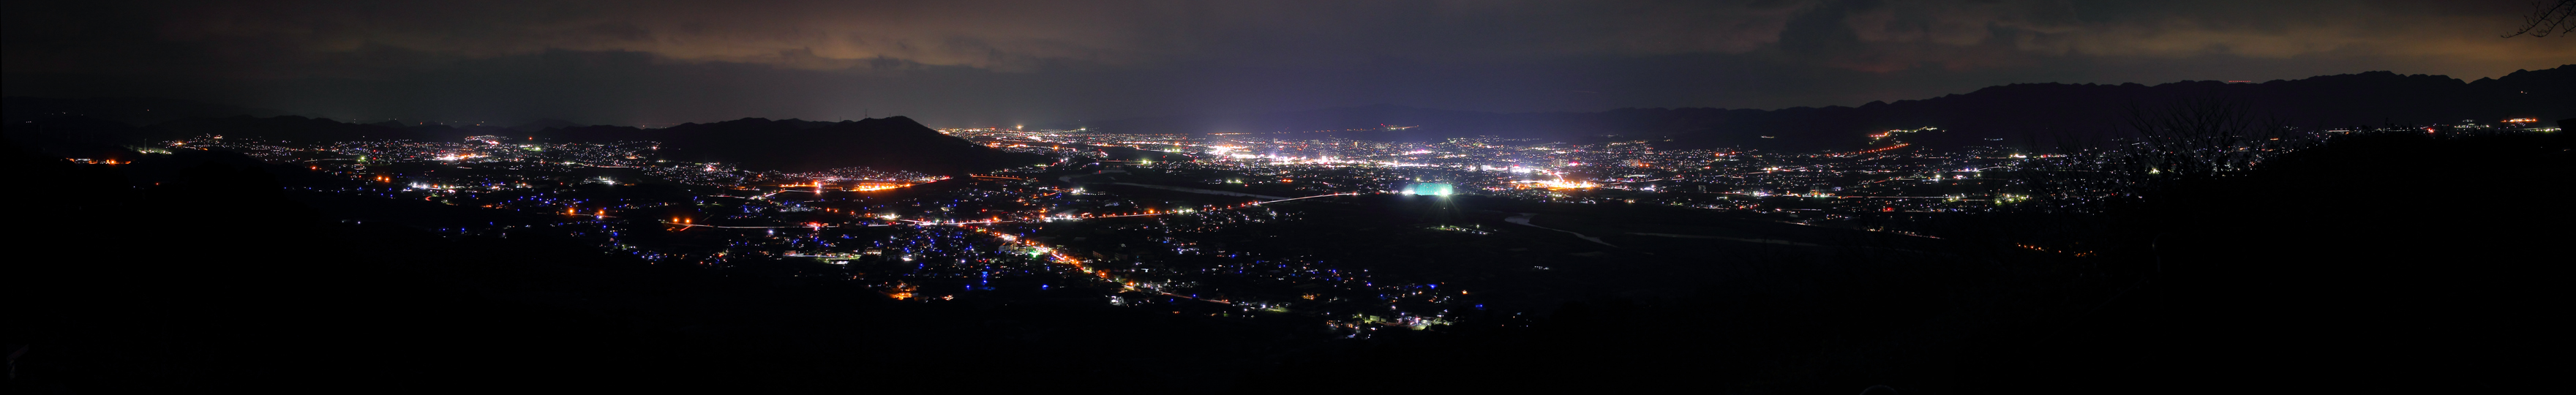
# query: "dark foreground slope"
2394,263
195,273
2399,263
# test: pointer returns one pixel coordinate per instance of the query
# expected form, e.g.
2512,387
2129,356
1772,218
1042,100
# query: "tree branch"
2546,19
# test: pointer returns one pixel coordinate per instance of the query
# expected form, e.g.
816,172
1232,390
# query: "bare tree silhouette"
2547,19
2196,138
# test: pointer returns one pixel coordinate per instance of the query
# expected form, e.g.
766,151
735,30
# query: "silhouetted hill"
543,124
296,128
75,137
752,143
2014,113
799,145
130,110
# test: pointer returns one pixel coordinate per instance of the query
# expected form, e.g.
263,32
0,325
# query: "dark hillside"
195,273
129,110
2404,263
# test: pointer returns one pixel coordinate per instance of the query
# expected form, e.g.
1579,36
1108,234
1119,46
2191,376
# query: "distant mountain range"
894,143
2013,113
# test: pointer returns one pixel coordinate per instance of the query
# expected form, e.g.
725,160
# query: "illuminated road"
1058,256
1145,214
666,222
986,222
1052,254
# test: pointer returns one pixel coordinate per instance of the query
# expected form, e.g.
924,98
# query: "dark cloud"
999,62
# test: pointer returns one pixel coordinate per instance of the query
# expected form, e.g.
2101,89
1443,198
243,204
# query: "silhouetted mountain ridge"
797,145
894,143
2015,113
543,124
130,110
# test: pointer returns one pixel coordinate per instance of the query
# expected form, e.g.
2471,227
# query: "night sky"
980,63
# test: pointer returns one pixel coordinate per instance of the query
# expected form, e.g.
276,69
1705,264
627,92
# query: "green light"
1430,189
